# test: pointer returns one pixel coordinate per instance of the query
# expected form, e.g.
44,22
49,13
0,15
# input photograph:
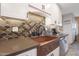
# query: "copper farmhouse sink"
44,38
47,44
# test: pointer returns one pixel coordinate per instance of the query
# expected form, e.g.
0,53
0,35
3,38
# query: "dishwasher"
63,46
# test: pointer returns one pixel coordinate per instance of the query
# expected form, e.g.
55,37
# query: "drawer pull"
52,54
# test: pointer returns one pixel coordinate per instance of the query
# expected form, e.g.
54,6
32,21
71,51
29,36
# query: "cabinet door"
35,7
32,52
54,52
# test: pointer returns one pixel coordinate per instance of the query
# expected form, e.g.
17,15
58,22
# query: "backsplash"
24,28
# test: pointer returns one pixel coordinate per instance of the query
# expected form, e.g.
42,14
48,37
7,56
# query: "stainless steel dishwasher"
63,46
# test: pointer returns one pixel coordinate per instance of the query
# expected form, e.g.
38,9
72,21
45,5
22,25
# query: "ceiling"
70,8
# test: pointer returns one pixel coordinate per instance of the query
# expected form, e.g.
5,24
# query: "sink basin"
44,38
47,44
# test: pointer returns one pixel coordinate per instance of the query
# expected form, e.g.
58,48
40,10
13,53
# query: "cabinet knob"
52,54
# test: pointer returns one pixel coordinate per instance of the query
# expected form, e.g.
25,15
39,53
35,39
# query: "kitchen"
28,29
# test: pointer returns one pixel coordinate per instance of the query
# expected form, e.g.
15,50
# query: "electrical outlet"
15,29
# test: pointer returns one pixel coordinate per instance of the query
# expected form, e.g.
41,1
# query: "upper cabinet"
16,10
52,11
56,15
38,6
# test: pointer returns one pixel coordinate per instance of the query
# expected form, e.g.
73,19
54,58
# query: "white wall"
17,10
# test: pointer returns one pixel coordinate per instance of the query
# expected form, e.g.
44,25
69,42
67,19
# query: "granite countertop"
16,46
19,45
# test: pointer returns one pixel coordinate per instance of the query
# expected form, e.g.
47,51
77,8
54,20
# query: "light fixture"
47,6
43,7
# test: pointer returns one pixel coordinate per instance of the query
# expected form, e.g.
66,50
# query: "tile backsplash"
13,28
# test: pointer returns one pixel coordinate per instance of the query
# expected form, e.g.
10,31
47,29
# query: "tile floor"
73,50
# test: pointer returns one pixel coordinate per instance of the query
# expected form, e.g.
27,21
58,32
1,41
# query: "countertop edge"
18,52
